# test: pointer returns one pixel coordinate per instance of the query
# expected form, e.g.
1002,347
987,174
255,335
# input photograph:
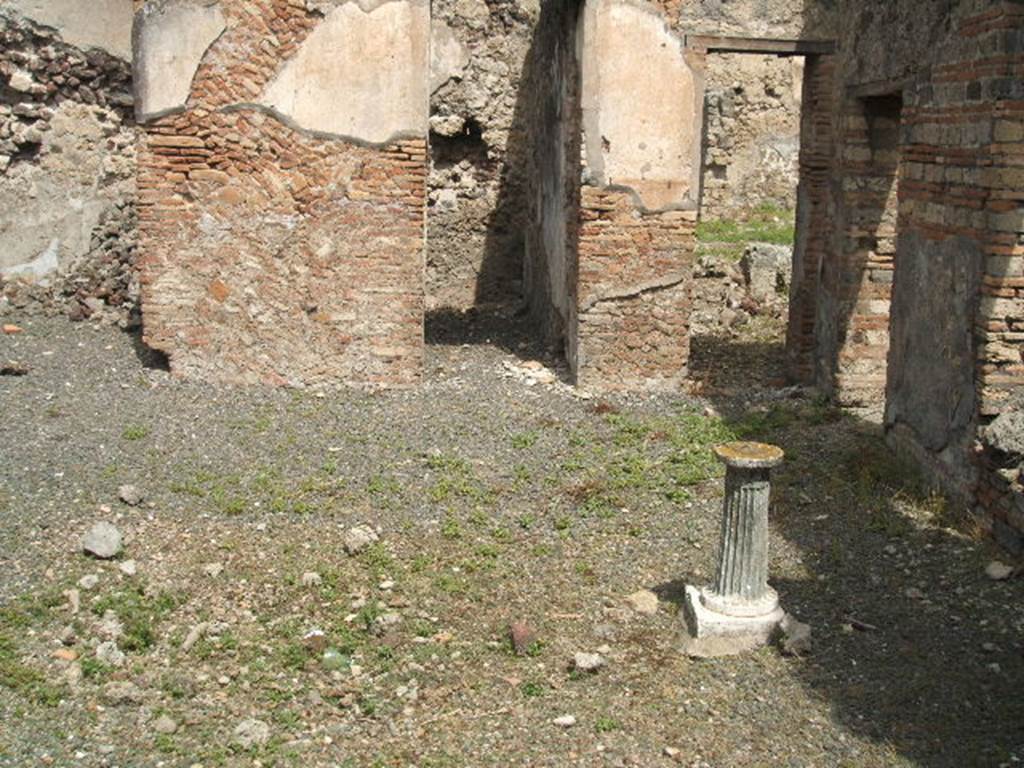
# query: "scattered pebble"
110,654
315,640
311,579
165,724
14,368
130,495
88,581
194,635
128,568
565,721
213,570
522,636
109,627
998,571
121,693
796,636
102,541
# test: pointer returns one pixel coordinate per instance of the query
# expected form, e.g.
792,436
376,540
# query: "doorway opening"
753,166
866,262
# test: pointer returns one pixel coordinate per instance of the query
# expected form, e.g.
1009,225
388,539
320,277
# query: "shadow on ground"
725,367
504,326
152,359
914,646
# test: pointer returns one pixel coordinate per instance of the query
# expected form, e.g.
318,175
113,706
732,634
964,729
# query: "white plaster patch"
170,41
105,24
448,57
360,74
41,267
641,104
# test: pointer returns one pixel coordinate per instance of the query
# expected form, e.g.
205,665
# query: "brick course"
269,254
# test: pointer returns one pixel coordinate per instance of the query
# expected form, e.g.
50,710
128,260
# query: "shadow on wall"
536,173
856,286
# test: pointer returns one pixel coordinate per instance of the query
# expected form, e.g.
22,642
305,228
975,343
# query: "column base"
708,634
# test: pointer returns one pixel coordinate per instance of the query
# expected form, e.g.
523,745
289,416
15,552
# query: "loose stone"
165,724
130,495
88,581
359,538
796,636
110,654
194,636
643,601
251,733
588,662
522,637
119,693
998,571
102,541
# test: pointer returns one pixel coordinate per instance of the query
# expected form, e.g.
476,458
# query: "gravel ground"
499,495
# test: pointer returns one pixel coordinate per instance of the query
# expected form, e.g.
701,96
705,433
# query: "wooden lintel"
879,88
713,44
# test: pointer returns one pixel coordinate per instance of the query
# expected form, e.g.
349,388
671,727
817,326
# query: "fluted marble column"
739,611
741,587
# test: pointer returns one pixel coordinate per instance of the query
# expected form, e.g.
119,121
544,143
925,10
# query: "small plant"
23,679
451,528
292,656
532,689
135,432
138,613
605,724
94,669
524,440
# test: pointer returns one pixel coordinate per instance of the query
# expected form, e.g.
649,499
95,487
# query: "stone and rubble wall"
752,109
282,201
479,151
67,158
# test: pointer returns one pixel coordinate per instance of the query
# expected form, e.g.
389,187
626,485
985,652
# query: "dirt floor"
499,495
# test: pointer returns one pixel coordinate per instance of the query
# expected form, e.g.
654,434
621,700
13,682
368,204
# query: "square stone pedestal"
709,634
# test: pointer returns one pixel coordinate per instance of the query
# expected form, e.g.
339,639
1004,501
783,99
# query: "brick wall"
813,220
634,293
273,254
994,86
920,300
